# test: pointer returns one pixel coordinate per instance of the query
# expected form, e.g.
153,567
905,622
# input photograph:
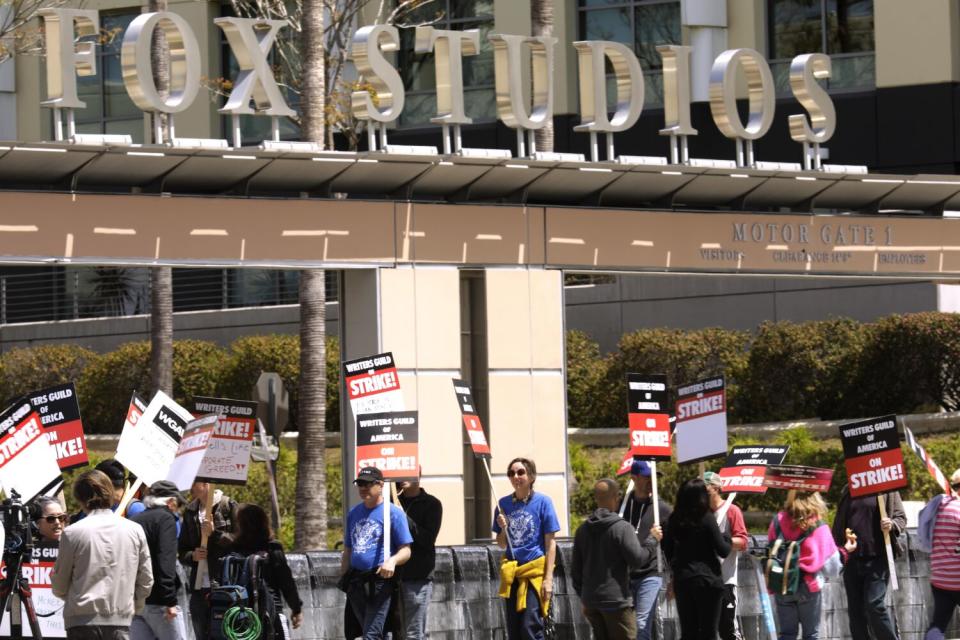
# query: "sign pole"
128,496
202,565
626,496
272,479
894,584
493,491
655,503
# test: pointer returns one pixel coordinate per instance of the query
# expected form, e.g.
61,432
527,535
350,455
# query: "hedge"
26,370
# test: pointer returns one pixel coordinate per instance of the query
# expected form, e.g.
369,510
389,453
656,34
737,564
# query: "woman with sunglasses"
526,524
50,519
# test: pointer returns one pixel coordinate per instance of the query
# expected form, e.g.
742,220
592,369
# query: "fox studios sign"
256,91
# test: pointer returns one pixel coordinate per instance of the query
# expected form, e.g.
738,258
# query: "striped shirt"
945,557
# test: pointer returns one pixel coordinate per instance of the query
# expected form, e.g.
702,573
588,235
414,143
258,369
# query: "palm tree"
541,18
311,514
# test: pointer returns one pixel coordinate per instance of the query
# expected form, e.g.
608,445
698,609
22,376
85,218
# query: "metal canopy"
431,177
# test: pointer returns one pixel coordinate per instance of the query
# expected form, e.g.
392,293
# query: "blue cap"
640,468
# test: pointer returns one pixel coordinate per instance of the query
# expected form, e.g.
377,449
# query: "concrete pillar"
706,24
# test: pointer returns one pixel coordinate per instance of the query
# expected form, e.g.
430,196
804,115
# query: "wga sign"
170,423
255,90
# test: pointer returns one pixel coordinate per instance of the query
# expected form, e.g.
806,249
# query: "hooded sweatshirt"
820,557
605,550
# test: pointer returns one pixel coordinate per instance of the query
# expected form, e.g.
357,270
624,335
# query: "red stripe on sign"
649,435
69,444
706,404
745,479
478,439
876,473
368,385
394,460
22,437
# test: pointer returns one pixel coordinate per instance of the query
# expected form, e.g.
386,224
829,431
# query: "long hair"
692,504
253,528
803,506
93,490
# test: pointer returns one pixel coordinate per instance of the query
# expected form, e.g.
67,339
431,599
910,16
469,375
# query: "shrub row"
200,368
784,371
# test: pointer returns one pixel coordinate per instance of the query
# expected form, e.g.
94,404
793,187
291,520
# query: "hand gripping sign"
701,412
28,464
389,442
373,385
746,467
648,416
59,413
872,456
471,421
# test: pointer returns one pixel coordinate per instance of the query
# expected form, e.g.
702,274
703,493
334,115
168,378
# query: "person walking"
193,526
605,549
161,618
729,520
945,560
694,545
645,581
866,574
526,525
367,574
424,517
802,519
103,570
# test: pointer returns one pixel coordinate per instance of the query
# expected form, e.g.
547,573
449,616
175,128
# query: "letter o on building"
184,62
723,94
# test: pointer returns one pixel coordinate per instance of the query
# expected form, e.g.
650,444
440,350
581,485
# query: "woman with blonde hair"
803,519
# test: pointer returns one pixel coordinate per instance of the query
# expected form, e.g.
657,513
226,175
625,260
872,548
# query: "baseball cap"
166,489
713,478
369,474
113,470
640,468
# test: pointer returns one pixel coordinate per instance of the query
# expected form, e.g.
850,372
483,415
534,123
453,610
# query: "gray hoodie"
605,550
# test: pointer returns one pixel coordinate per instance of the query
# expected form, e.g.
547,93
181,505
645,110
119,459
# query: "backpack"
243,592
782,570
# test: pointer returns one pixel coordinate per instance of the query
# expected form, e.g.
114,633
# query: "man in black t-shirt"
424,515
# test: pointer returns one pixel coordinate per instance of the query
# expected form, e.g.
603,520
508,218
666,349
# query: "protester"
103,569
117,474
694,546
526,524
945,560
605,549
50,519
865,575
191,535
253,535
730,520
424,515
820,558
367,576
646,581
161,618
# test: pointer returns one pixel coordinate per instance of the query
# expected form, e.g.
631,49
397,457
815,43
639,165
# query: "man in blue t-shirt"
526,524
369,577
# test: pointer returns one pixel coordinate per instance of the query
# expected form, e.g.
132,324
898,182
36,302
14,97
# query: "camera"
15,517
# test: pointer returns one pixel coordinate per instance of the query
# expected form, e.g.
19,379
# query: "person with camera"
103,571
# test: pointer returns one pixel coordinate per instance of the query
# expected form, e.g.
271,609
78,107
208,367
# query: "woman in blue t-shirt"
526,524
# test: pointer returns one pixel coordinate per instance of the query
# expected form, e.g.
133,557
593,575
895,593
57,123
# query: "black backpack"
243,587
783,557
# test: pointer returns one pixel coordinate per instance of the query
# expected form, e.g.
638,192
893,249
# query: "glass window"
419,77
841,28
109,109
642,24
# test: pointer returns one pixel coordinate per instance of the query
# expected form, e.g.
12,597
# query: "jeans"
98,632
200,613
944,602
698,607
865,580
612,625
645,592
799,610
526,624
729,629
370,600
152,624
416,602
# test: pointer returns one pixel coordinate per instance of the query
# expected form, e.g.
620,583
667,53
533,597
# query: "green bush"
26,370
585,373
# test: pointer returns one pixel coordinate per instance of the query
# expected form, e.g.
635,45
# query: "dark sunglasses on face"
955,486
518,472
52,519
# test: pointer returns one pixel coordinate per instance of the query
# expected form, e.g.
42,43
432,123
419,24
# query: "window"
642,24
841,28
109,109
419,78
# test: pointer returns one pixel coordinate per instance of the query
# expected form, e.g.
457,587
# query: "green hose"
241,623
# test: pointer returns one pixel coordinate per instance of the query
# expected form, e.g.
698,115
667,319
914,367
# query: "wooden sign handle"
894,583
203,567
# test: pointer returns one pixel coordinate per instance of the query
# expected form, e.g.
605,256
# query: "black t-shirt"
864,519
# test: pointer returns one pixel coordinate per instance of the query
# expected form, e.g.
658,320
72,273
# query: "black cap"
166,489
113,470
369,474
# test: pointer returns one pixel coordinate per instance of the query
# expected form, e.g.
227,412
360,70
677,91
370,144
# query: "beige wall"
916,42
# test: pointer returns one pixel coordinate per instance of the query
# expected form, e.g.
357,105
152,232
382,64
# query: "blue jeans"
799,610
370,600
528,623
645,592
416,602
152,624
865,580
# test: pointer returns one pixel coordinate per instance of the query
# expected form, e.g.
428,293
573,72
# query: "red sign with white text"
227,460
626,463
648,416
59,413
872,456
389,441
471,421
791,476
373,385
746,467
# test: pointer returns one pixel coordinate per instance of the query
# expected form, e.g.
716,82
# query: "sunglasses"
519,472
53,519
955,486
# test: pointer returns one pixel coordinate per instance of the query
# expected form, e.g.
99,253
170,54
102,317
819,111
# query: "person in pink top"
945,561
820,558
